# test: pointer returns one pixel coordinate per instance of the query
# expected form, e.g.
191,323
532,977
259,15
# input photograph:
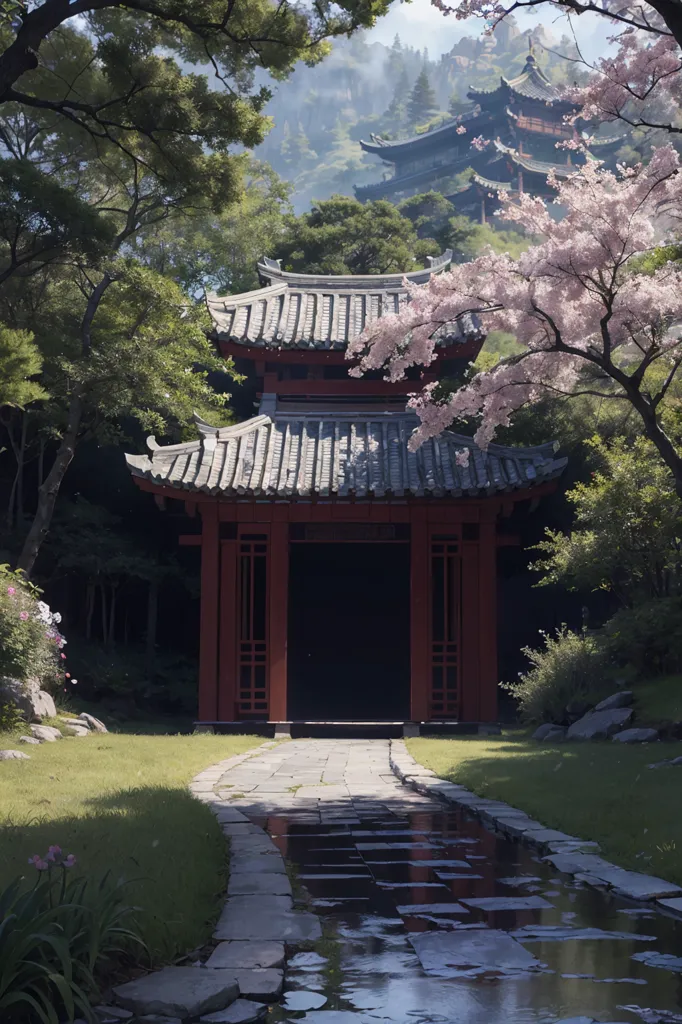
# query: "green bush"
648,637
568,668
30,642
55,938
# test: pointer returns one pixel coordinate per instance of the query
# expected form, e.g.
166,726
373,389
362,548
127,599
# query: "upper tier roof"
531,84
401,149
340,455
316,311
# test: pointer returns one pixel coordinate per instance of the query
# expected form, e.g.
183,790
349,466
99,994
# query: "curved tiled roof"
535,166
378,189
400,149
316,311
531,84
343,455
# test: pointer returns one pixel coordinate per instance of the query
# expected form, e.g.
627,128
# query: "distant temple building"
343,576
521,120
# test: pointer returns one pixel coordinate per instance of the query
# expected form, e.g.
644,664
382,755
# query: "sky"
420,24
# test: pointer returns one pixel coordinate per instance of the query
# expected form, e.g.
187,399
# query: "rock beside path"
548,731
13,755
599,725
622,699
243,1011
636,736
179,992
29,739
26,695
92,723
45,733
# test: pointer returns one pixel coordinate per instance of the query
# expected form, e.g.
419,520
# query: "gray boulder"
92,723
636,736
29,739
78,730
45,733
548,732
599,725
622,699
33,703
13,755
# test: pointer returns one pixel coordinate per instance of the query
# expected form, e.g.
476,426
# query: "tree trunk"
152,617
47,495
658,437
20,468
89,608
103,609
112,614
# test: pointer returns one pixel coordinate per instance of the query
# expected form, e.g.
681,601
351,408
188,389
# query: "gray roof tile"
317,454
304,311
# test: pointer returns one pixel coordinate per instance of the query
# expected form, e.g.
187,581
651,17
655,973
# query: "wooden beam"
208,627
419,620
227,672
278,620
487,596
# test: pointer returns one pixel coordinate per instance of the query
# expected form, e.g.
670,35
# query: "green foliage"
209,251
422,103
344,236
647,637
54,939
19,361
628,528
28,641
568,668
122,674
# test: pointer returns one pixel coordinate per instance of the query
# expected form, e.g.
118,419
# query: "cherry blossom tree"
592,314
640,82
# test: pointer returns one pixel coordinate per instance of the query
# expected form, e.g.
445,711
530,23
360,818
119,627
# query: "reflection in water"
436,919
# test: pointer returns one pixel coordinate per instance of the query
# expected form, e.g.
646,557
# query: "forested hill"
321,113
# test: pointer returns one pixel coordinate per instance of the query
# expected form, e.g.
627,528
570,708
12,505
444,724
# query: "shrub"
648,637
30,642
55,938
568,668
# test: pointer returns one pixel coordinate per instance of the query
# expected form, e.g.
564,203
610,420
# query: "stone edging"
566,853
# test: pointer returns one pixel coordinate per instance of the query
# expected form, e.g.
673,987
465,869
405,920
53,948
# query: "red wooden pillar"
487,595
471,618
210,600
227,672
278,620
419,616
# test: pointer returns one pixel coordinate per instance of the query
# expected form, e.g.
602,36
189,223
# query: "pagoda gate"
521,119
343,576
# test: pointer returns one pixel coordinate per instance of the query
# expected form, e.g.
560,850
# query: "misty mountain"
362,87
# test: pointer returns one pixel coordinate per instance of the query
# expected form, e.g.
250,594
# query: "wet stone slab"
407,900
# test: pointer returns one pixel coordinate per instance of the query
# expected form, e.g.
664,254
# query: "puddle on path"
432,918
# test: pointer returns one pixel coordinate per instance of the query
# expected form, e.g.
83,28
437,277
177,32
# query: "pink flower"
38,862
479,143
23,616
461,130
462,457
63,656
53,853
70,861
11,591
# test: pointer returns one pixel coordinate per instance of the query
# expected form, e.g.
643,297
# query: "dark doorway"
349,632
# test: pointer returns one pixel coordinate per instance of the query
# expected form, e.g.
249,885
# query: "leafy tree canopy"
344,236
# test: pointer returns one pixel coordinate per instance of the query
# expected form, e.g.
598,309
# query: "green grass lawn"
597,791
120,802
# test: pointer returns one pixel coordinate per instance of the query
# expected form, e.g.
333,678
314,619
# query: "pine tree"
394,116
422,103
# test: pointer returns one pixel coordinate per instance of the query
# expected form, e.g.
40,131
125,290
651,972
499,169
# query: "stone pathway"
405,911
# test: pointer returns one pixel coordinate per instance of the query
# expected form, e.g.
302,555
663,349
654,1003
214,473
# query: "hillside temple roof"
286,454
317,311
531,84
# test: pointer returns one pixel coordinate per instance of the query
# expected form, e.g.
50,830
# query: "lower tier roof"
317,454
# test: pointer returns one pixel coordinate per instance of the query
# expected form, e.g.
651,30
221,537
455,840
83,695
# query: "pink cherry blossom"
23,616
575,300
479,143
460,130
